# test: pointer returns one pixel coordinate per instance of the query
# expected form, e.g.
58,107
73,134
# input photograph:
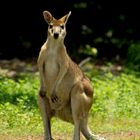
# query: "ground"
109,136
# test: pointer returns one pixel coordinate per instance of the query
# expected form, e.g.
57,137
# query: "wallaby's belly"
63,97
65,113
63,90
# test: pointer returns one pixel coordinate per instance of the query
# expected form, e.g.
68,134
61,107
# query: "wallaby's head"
56,28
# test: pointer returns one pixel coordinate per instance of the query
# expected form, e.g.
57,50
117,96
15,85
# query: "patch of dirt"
122,136
16,64
11,68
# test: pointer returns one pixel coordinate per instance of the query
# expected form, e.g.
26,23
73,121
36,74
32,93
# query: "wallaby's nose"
56,35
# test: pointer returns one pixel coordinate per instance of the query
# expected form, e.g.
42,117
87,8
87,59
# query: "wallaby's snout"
56,32
56,35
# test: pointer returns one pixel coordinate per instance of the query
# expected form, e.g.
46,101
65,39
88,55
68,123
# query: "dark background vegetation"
111,27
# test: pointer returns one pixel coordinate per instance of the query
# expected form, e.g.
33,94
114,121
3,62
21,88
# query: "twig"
84,61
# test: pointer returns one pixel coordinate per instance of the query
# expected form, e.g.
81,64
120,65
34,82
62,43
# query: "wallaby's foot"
42,93
96,137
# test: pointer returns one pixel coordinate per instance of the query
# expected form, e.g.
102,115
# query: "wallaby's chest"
51,63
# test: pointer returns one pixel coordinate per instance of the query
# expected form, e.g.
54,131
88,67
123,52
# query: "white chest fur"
51,63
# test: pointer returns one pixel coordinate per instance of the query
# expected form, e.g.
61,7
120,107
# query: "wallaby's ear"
47,16
65,18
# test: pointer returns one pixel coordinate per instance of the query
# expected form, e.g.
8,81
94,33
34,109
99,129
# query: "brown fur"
65,91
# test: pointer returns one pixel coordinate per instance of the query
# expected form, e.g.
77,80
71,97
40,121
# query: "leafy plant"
133,56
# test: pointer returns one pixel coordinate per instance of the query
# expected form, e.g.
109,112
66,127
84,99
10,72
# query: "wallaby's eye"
62,26
50,26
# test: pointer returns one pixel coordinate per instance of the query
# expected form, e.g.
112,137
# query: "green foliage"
23,89
18,105
116,96
133,56
89,51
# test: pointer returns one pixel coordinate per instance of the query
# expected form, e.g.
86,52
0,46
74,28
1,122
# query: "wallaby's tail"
87,87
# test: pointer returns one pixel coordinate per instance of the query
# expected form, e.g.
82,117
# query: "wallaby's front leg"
46,116
62,71
41,67
42,99
61,74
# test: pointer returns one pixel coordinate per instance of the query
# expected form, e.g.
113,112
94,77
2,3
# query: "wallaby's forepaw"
42,93
54,97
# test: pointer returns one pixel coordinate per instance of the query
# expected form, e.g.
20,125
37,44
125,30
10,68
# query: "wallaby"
65,91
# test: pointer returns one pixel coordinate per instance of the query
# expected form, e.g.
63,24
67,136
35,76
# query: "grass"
115,113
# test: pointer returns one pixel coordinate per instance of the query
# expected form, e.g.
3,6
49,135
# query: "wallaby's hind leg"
76,119
46,116
85,130
80,105
87,133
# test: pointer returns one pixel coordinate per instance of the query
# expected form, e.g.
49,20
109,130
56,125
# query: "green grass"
116,106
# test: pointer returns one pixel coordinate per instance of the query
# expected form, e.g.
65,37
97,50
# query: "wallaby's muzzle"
56,35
